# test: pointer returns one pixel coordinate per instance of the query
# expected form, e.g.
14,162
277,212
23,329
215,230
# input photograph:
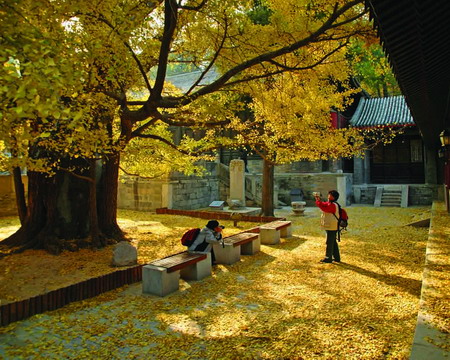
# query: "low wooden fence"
56,299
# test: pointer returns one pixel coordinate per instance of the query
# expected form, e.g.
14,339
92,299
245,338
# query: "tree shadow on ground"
290,243
409,285
259,259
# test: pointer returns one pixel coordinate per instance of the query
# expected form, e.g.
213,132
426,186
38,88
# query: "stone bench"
161,277
270,233
234,246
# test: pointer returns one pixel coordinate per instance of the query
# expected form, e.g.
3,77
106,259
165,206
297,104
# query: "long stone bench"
229,251
249,243
270,233
161,277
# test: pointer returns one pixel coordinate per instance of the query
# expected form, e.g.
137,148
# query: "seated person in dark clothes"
209,235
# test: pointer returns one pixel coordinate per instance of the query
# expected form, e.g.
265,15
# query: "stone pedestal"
227,255
286,232
197,271
269,236
298,207
157,281
252,247
342,189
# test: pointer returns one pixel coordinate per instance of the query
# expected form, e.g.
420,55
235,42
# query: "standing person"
209,235
329,221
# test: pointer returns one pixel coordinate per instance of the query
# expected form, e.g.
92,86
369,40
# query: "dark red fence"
218,215
56,299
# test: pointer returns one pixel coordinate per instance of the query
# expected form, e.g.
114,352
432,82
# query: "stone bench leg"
197,271
157,281
286,231
251,247
269,236
228,254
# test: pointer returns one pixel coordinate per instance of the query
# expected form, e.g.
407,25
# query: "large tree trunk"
93,215
267,189
64,212
107,197
20,195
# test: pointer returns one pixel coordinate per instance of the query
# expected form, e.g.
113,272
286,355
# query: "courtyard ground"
278,304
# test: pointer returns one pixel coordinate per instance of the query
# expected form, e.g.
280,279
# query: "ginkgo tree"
74,73
291,122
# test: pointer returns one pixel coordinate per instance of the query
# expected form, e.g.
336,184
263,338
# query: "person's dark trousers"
332,251
202,247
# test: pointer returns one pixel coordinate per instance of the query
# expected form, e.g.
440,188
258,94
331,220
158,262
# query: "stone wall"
418,194
307,182
422,194
139,194
194,193
184,193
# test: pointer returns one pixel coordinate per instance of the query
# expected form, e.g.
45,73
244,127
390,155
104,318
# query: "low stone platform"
430,340
242,211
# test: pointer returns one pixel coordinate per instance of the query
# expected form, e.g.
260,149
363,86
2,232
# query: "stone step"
394,198
391,196
390,203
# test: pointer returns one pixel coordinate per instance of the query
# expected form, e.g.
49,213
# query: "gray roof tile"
186,80
387,111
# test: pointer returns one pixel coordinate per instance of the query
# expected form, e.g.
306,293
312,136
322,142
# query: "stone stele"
124,254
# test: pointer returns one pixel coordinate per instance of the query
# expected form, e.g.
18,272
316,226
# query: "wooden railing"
56,299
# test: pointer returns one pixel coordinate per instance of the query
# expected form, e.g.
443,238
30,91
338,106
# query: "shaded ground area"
279,304
35,272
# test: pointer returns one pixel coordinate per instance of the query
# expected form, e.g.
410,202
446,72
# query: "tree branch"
125,43
173,146
77,176
170,22
221,81
213,60
317,63
165,141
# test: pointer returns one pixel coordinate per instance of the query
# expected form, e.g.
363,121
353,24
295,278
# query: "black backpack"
189,236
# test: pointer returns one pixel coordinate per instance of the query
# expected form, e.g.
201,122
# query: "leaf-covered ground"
278,304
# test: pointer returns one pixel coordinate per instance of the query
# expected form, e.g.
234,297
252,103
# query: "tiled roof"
186,80
387,111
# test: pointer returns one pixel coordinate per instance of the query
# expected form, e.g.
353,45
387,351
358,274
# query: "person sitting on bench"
209,235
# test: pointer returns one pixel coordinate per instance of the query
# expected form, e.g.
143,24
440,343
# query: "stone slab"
227,254
251,247
197,271
157,281
269,236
